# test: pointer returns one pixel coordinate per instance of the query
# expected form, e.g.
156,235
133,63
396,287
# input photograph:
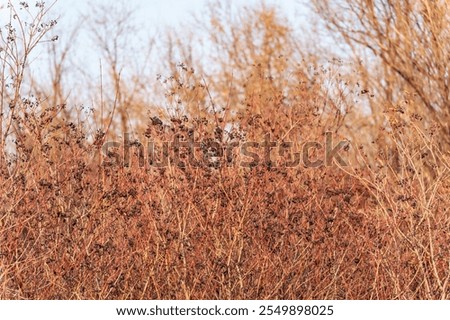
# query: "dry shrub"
82,217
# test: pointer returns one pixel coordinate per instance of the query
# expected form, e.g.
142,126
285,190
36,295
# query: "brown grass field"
267,167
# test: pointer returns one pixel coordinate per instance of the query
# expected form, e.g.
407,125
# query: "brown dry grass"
79,223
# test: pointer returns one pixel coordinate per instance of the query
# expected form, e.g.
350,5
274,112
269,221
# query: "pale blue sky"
152,17
171,12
